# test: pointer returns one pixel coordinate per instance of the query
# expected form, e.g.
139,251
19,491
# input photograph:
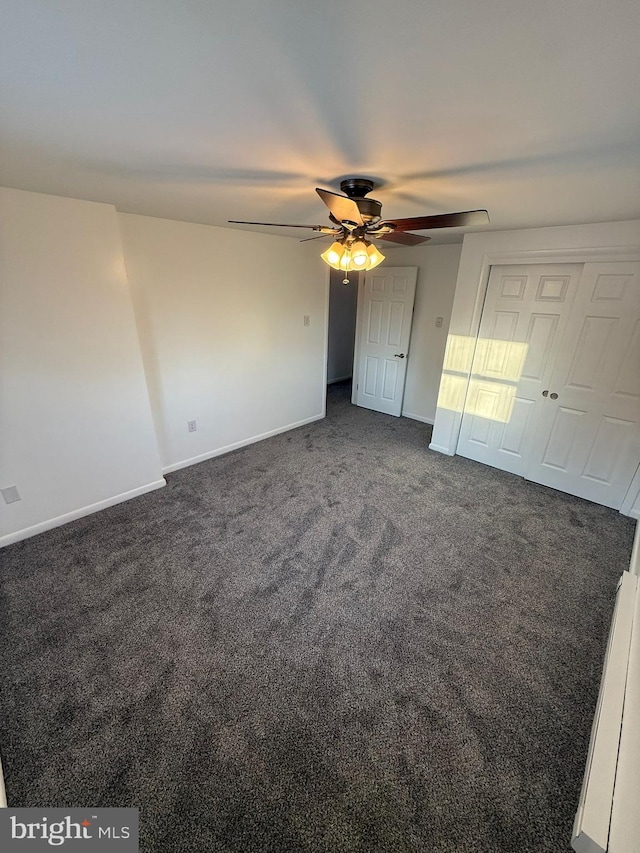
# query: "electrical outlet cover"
11,494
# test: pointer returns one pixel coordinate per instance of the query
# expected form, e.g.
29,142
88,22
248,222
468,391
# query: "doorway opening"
343,301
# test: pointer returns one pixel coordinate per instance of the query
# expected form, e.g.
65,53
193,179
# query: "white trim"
220,451
439,448
604,792
3,793
417,418
355,380
10,538
325,357
597,254
631,503
339,379
634,564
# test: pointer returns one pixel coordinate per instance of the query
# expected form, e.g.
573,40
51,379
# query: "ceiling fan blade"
404,238
320,237
275,224
341,207
441,220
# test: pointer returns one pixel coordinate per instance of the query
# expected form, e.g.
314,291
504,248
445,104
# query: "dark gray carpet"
334,640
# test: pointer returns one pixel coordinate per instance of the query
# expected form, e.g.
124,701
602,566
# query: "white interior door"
523,321
588,439
385,312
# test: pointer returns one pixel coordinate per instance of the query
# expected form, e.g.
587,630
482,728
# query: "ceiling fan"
357,220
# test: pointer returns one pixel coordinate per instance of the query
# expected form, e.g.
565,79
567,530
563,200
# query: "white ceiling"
205,111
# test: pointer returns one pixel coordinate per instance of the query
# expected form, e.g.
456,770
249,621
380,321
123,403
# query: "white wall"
343,300
437,273
75,419
220,316
570,243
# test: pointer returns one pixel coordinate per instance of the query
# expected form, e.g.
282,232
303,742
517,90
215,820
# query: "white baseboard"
10,538
220,451
439,448
417,418
3,794
631,503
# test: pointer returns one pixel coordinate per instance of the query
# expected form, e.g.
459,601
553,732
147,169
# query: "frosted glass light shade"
359,255
375,257
333,255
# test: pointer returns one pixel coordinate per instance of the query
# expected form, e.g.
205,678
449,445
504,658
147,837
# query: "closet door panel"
525,312
588,437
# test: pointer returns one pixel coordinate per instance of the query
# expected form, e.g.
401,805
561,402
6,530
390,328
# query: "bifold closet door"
525,314
587,441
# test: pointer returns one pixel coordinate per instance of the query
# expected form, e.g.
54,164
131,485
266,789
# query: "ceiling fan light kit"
349,254
357,218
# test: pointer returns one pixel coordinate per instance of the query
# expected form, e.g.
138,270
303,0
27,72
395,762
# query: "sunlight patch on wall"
495,367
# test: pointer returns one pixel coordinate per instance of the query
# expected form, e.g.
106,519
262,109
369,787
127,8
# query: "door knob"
553,396
398,355
545,393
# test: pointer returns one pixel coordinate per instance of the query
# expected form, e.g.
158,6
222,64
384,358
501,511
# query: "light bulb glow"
359,254
345,260
333,255
355,255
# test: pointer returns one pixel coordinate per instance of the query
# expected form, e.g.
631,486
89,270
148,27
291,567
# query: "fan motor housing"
356,189
370,209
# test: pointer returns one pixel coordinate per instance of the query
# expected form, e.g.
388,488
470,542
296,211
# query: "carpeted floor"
334,640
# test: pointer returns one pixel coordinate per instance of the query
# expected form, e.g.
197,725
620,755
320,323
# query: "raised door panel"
592,354
561,438
374,321
626,382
